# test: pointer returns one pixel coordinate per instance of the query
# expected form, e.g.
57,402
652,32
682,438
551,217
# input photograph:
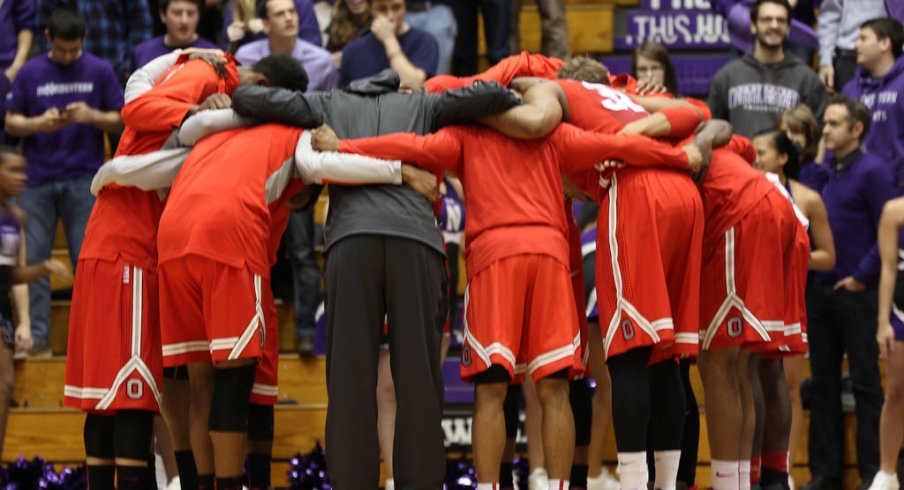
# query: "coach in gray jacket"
384,258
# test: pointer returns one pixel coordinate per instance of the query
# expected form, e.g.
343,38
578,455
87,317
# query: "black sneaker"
306,345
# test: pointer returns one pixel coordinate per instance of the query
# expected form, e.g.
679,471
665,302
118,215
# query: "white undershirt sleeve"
343,168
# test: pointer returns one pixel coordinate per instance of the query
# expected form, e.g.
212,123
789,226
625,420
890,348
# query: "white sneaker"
174,484
605,481
885,481
538,480
390,484
790,482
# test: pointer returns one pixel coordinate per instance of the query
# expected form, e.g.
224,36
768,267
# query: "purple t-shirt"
365,56
317,62
75,150
153,48
15,16
308,28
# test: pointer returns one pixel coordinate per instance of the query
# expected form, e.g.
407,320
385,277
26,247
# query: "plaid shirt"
115,27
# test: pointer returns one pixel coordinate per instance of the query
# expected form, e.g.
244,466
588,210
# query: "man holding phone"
60,104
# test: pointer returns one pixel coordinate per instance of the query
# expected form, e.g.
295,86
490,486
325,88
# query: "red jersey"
519,65
228,202
731,188
124,220
513,188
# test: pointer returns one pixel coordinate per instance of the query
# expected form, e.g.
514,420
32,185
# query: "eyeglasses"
650,69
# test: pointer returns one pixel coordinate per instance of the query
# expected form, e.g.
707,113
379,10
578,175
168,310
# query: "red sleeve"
683,120
438,151
164,107
742,146
584,149
519,65
699,104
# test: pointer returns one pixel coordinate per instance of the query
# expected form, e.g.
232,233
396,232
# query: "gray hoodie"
752,95
372,107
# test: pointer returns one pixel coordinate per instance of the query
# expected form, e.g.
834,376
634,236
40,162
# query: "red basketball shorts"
210,311
743,282
648,250
520,314
113,359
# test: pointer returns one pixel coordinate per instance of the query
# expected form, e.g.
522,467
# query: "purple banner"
683,29
675,5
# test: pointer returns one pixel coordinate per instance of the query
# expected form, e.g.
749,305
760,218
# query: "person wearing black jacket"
384,260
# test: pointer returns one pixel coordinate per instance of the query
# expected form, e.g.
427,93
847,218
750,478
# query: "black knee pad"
510,410
229,406
495,374
581,399
134,430
260,422
178,373
99,436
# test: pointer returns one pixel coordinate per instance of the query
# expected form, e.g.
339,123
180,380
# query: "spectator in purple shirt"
61,104
181,20
842,303
879,84
17,19
242,25
391,43
281,22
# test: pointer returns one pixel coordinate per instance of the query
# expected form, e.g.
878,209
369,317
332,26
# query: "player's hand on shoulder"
214,57
215,101
324,139
424,182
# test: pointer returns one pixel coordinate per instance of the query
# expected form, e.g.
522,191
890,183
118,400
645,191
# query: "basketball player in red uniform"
121,391
524,245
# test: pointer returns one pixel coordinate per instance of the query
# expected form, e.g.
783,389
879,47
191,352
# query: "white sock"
666,469
558,484
744,475
487,486
725,475
632,470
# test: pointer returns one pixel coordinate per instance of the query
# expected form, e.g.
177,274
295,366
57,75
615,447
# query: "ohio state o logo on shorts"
735,327
134,389
627,329
466,355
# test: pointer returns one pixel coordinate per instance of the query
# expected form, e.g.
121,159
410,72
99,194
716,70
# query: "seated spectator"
497,26
436,17
61,104
181,20
802,128
242,25
554,42
651,62
839,27
351,20
879,85
281,23
391,43
17,20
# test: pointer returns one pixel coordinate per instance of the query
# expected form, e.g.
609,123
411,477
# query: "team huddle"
698,255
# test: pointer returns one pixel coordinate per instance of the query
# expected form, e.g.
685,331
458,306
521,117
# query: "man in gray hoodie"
752,92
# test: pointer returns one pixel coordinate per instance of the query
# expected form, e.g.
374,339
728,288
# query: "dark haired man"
838,26
116,28
842,305
879,85
17,19
281,23
752,92
181,20
61,104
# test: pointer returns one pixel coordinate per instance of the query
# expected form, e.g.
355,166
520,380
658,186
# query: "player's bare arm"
889,228
822,257
544,108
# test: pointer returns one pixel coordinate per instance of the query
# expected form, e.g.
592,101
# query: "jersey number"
614,100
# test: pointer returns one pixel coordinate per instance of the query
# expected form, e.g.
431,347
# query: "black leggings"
640,391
